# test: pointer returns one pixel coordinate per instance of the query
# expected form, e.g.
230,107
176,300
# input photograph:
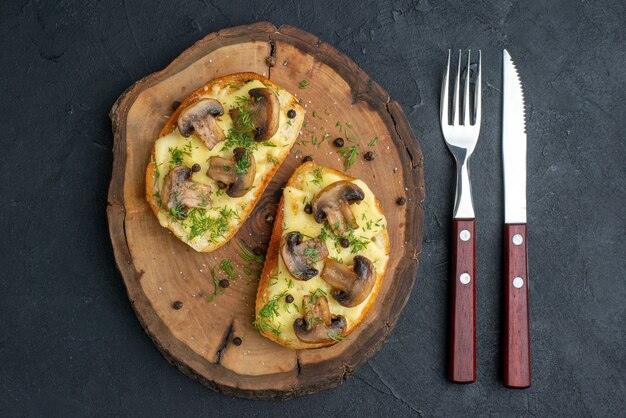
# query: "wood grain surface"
210,337
462,356
517,373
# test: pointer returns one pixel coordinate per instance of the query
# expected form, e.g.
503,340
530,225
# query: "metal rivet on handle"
465,278
518,282
517,239
465,235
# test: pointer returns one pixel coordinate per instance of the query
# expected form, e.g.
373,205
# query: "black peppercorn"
307,159
289,299
338,142
291,113
237,341
224,283
269,218
177,305
195,168
401,201
308,208
175,105
369,156
345,242
258,251
221,185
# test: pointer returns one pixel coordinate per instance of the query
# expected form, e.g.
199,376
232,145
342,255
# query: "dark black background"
69,341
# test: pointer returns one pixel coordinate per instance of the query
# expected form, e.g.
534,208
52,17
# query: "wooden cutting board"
210,337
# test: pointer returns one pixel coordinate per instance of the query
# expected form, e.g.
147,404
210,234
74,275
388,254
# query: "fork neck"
463,203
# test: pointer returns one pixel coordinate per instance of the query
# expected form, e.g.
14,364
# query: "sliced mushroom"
200,117
300,256
318,324
238,173
333,204
177,189
351,286
261,117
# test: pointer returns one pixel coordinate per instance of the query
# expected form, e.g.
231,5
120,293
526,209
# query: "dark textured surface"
69,341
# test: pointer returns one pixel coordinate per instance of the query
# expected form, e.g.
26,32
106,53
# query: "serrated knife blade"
513,143
516,297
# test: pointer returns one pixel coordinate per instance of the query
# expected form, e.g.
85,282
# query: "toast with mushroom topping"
216,155
325,262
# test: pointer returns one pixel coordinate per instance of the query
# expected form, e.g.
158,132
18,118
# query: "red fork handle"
517,331
462,363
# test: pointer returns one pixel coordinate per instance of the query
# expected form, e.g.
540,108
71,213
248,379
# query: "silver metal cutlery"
460,124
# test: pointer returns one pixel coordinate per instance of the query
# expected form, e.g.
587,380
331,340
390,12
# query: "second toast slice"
325,262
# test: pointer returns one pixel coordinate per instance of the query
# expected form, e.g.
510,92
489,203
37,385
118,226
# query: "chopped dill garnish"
216,290
236,139
243,100
343,129
372,142
199,223
268,311
317,176
177,155
324,233
178,211
315,294
249,256
312,252
357,244
349,155
243,164
336,336
289,282
227,267
303,84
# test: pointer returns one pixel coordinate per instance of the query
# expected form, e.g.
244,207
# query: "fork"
461,140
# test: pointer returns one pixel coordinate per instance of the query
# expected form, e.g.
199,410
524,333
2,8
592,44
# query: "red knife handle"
517,331
462,363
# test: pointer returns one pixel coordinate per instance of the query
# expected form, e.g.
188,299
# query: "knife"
517,332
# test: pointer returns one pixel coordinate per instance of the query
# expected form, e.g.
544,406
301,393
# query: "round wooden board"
158,269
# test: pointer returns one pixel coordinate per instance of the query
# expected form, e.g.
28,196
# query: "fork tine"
456,110
477,90
445,104
466,95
